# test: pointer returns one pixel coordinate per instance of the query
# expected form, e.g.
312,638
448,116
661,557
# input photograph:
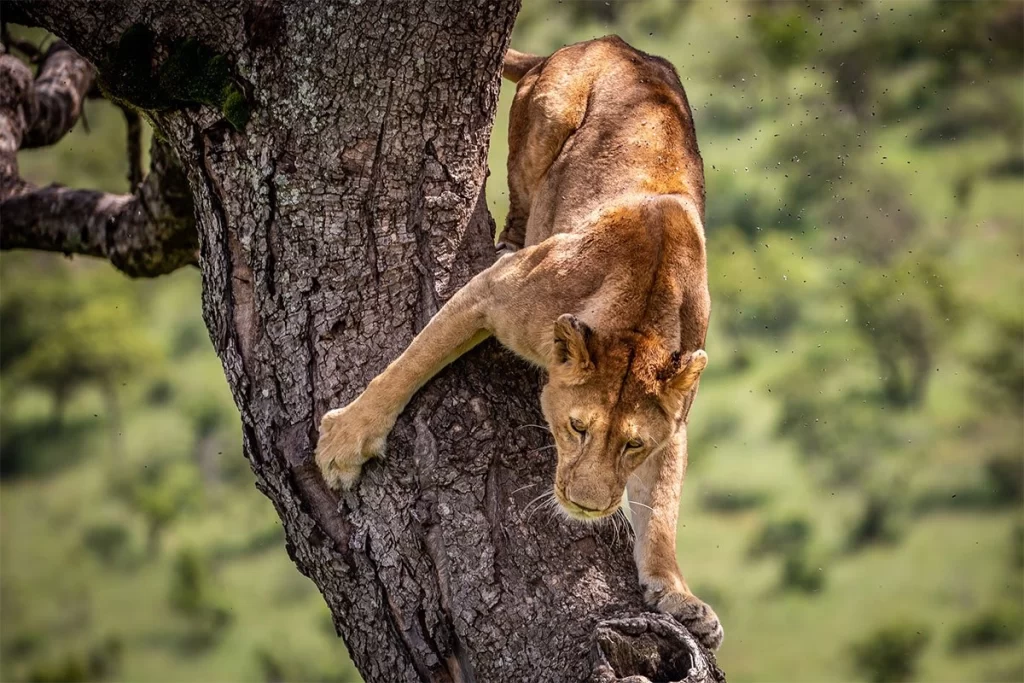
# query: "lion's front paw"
691,611
348,438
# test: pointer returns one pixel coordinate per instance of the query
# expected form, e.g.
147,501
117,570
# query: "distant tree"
192,595
158,490
88,338
900,311
890,654
1001,364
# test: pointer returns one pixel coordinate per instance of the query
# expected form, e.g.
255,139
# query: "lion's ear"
684,375
570,348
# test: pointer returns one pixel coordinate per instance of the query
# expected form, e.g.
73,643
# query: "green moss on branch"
192,74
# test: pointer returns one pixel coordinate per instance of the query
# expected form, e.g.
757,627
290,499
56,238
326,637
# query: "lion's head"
610,401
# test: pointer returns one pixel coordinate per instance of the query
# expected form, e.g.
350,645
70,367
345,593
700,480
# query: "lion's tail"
518,63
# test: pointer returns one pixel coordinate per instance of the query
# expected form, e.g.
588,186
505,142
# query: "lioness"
606,289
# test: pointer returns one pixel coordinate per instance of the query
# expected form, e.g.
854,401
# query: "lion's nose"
588,497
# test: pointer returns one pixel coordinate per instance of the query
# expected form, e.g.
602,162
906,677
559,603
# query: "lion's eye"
578,426
634,443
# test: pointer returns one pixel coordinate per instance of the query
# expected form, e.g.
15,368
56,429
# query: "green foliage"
801,573
159,490
271,536
728,500
1001,365
755,284
789,539
104,348
1017,547
108,541
191,596
88,336
840,431
235,108
194,73
26,445
784,35
1005,473
999,625
781,537
902,313
275,666
891,653
876,521
98,662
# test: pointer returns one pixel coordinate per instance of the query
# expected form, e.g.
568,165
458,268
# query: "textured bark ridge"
332,226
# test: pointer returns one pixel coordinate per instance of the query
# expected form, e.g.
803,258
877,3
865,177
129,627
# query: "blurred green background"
854,504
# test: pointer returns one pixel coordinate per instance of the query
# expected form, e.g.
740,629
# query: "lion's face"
610,404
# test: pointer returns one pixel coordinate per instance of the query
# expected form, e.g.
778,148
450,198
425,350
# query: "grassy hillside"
854,503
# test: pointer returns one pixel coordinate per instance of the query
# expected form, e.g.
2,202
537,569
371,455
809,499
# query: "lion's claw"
692,612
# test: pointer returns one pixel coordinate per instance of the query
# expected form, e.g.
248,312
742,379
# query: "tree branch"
55,101
147,233
31,52
15,89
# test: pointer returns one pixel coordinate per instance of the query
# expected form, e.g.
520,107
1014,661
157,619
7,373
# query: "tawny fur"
606,289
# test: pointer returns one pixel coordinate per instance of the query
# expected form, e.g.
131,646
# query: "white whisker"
544,427
523,488
549,502
546,501
527,507
627,527
633,502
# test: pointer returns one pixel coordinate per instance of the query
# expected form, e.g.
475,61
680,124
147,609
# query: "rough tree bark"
338,206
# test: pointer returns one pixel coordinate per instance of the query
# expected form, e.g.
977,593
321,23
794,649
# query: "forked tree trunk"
333,225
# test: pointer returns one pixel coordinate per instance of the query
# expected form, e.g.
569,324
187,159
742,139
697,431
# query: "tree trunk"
338,206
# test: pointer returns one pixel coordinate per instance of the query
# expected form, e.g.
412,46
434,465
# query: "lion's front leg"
654,488
490,303
352,435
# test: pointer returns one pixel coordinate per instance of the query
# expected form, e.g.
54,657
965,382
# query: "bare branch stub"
650,647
